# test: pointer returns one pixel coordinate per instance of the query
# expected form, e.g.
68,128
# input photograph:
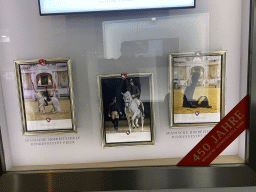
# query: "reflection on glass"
143,45
4,36
150,35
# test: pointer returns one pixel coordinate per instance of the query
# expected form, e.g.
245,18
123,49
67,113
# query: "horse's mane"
38,95
127,93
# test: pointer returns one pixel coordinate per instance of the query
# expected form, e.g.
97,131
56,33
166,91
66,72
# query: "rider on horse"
47,95
135,92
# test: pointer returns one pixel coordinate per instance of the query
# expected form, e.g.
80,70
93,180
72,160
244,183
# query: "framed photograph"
197,88
126,109
46,96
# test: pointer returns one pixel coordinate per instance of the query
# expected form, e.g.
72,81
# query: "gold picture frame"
197,88
46,96
121,97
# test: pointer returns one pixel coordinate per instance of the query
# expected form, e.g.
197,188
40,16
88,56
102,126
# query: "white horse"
132,111
41,103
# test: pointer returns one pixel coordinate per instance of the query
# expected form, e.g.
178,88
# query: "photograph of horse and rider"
126,104
197,89
45,92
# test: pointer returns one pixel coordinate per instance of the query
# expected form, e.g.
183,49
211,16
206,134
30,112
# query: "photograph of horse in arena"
57,108
126,104
197,88
45,91
212,93
42,102
46,96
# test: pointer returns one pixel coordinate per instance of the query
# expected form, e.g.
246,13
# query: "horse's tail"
142,105
142,117
56,104
36,96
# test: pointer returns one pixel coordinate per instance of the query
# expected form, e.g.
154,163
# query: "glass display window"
113,53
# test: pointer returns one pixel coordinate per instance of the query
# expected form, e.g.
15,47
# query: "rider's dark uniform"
46,94
134,90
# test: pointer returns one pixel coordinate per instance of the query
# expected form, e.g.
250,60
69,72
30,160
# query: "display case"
110,54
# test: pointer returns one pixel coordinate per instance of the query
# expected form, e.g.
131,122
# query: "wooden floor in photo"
32,113
212,93
123,126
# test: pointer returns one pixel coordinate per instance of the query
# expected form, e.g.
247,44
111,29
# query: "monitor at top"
48,7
